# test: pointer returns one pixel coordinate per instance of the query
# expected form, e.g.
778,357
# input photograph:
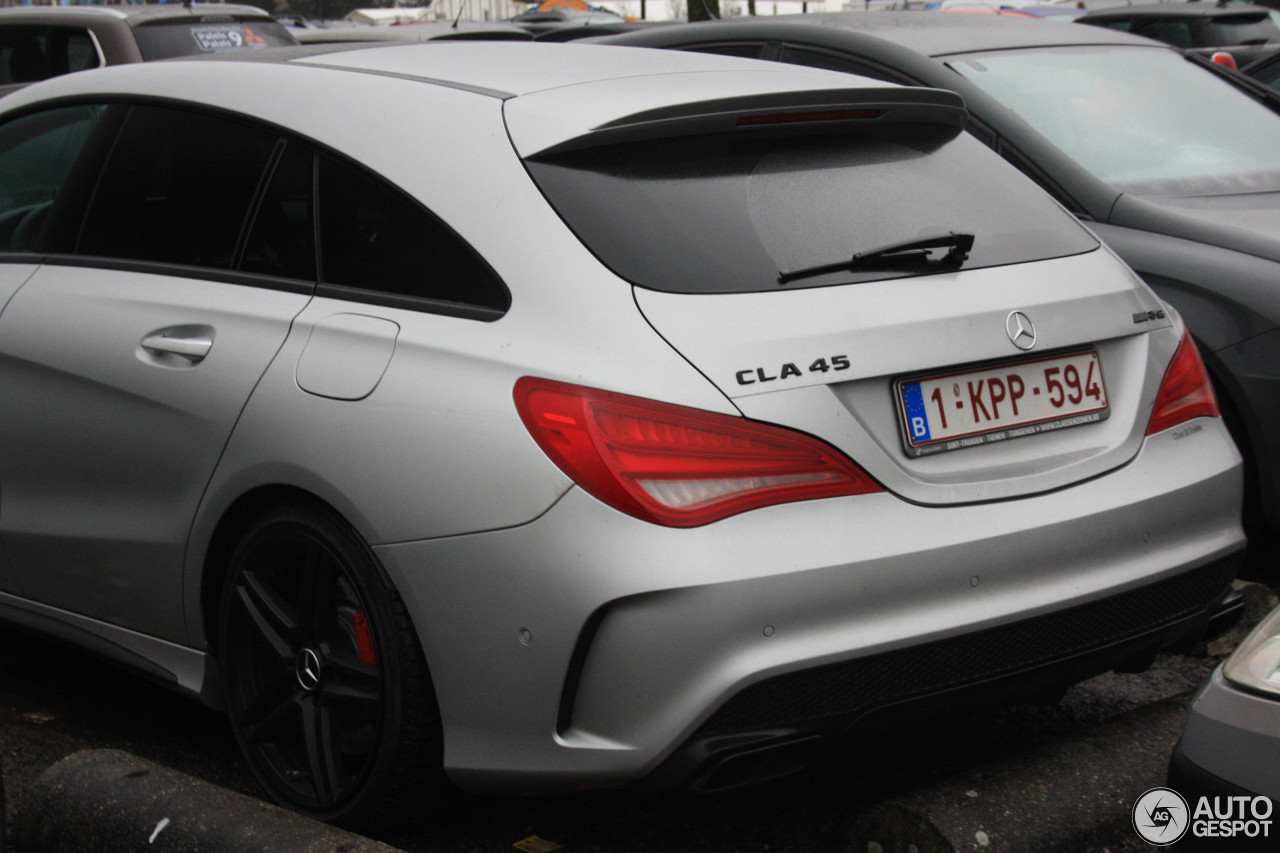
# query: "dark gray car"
1242,30
1173,161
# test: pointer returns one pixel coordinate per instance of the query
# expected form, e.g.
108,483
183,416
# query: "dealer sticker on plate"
956,410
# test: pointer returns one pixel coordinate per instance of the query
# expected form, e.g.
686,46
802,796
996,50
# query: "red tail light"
1186,391
1224,59
677,466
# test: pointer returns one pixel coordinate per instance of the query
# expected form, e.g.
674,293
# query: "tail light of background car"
1185,392
1224,59
678,466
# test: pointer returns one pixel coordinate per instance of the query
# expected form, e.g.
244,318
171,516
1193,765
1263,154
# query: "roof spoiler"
829,110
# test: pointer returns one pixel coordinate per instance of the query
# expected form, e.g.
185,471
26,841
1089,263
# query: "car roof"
1178,10
519,68
554,97
133,14
929,33
504,69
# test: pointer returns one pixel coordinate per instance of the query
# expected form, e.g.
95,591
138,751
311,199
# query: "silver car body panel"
12,277
109,444
835,579
346,356
172,663
1235,735
403,421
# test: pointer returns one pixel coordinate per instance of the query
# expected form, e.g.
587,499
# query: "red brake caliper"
364,637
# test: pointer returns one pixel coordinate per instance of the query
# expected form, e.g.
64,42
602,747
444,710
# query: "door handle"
184,343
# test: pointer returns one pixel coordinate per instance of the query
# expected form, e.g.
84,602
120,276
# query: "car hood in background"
1245,222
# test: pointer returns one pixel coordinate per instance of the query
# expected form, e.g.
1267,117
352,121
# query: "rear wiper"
907,254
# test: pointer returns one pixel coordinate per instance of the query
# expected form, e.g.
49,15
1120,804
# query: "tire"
326,686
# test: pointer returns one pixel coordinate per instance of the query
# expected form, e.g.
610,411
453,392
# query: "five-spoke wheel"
325,683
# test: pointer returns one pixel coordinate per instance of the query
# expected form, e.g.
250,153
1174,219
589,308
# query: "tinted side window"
32,52
282,238
36,155
374,237
177,188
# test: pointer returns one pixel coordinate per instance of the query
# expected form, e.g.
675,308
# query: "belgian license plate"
955,410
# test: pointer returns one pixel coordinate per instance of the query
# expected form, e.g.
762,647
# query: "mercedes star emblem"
307,669
1021,331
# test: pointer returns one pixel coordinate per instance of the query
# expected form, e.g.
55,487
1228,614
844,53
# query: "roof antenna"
707,9
462,8
186,4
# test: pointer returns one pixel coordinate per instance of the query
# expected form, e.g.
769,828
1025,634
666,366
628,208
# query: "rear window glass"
217,35
1242,30
728,215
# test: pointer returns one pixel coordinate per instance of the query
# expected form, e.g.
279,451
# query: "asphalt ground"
55,701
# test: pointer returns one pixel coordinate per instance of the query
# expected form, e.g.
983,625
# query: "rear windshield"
211,34
1227,31
717,215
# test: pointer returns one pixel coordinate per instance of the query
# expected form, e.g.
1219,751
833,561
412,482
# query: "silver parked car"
550,416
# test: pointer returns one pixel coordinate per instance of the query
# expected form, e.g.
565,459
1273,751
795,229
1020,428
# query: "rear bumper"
589,649
773,726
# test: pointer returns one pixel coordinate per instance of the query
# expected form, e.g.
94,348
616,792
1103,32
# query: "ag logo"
1161,816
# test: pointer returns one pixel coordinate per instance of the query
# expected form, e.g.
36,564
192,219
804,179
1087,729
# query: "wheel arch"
227,533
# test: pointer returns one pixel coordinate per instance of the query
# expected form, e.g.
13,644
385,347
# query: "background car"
434,30
1231,744
39,42
538,20
1173,161
711,409
1241,30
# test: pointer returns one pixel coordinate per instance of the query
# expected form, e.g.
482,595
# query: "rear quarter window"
375,239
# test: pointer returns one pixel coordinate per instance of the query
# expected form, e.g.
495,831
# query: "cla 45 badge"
751,376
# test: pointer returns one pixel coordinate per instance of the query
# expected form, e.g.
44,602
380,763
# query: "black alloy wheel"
326,686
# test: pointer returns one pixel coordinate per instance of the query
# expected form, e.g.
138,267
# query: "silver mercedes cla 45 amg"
541,417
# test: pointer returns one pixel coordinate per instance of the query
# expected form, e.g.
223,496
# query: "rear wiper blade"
903,255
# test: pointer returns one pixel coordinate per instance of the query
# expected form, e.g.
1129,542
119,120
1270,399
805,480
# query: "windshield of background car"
727,215
211,34
1145,120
